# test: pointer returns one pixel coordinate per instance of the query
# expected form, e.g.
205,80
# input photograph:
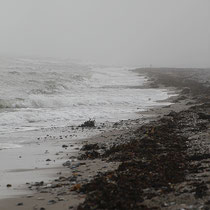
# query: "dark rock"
67,163
204,116
38,183
89,155
172,114
88,124
90,147
201,190
185,91
50,202
198,157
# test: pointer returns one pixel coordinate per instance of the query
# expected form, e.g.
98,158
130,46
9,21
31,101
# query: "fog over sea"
41,93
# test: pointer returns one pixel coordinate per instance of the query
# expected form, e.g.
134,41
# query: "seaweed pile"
152,162
159,156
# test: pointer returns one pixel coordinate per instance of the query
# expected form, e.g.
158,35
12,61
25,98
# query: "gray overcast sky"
132,32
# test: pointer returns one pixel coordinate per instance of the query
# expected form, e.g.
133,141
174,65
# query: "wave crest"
12,103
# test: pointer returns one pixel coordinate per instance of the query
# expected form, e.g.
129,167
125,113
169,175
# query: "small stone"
49,185
48,159
38,183
165,205
60,199
50,202
20,204
67,163
40,198
9,185
43,191
64,146
29,196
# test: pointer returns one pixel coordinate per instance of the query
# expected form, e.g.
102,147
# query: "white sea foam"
9,146
42,93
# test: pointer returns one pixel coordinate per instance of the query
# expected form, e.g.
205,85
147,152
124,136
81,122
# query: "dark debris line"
152,161
157,158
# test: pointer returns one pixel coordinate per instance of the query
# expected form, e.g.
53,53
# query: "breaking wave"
42,93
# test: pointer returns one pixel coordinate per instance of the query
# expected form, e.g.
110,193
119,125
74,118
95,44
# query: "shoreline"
165,165
49,142
89,167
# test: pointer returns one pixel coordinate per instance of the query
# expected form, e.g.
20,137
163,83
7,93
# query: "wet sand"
66,191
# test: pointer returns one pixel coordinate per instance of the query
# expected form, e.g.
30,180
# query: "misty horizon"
160,33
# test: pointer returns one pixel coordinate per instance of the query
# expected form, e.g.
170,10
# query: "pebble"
38,183
60,199
50,202
29,196
40,198
64,146
67,163
43,191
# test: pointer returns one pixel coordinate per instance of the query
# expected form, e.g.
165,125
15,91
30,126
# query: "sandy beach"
98,170
105,105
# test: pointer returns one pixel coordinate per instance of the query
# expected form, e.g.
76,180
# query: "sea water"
43,93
